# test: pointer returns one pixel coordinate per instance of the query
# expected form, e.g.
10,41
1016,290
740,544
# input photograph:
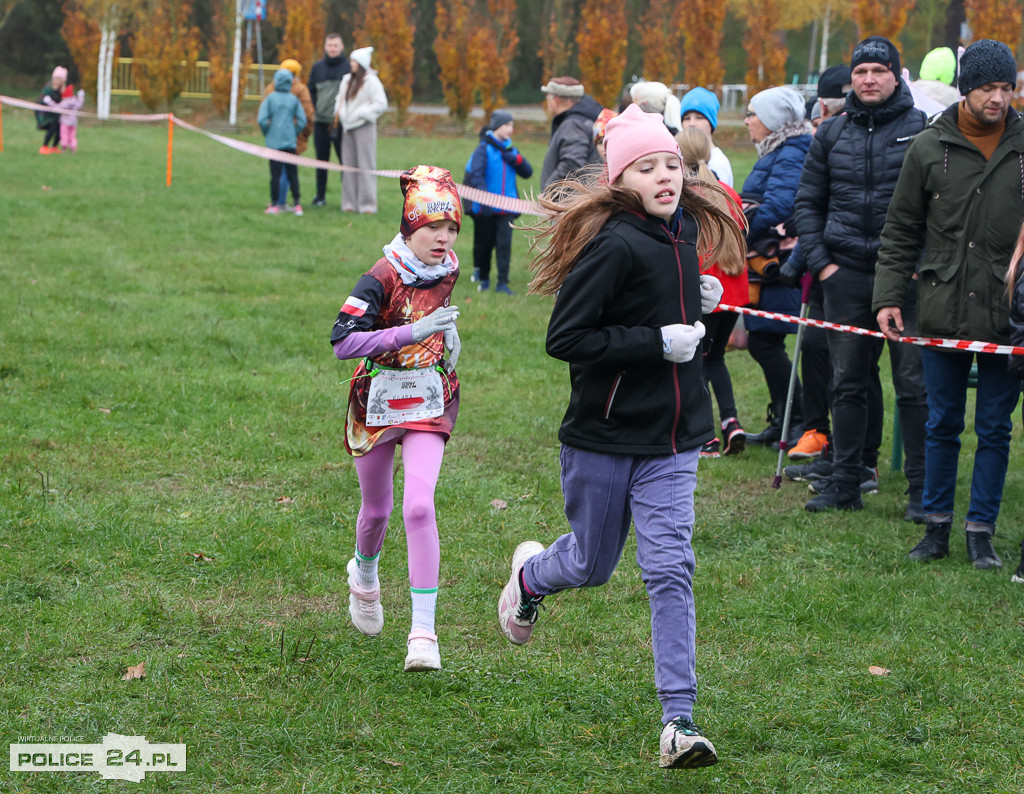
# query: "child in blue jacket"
493,167
281,118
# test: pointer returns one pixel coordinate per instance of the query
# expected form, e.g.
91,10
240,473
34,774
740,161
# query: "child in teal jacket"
281,118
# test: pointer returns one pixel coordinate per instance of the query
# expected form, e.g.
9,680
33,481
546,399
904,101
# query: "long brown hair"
695,145
1011,271
355,81
578,208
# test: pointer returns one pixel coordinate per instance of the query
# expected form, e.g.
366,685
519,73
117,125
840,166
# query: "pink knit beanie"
634,134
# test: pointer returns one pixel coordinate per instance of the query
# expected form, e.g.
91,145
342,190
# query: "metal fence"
198,85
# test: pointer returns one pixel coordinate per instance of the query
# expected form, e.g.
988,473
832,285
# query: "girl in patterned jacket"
399,321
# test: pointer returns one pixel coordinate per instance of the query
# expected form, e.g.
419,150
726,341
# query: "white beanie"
362,56
777,107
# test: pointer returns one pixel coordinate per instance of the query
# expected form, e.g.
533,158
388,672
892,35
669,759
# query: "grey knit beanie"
986,61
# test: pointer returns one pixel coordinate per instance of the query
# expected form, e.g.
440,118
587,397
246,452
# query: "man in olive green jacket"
954,218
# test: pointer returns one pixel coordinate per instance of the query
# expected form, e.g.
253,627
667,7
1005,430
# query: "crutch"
805,301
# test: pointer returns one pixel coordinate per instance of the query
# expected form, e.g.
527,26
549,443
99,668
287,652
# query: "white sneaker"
516,612
684,747
423,652
364,604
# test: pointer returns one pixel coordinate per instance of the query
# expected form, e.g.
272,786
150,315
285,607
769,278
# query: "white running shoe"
683,746
364,604
423,652
516,611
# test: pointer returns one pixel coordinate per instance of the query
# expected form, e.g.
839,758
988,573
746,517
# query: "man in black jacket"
848,179
324,80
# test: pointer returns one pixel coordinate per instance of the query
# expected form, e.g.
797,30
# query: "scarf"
411,269
777,138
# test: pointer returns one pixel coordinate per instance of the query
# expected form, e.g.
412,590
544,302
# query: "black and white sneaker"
1018,575
683,746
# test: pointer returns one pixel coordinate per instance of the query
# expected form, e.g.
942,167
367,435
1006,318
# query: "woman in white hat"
361,101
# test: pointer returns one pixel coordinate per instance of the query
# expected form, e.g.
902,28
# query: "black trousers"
322,143
492,232
275,178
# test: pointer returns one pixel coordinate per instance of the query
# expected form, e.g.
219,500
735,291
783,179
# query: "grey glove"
454,345
434,323
680,342
710,293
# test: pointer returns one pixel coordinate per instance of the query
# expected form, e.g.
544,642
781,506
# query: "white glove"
680,341
434,323
710,293
454,345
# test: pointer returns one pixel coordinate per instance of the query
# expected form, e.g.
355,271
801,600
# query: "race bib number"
404,395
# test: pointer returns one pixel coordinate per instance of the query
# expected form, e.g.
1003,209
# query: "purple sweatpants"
602,494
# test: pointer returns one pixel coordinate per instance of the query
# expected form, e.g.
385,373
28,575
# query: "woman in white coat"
361,101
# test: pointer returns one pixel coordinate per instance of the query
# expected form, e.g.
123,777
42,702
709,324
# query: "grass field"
167,390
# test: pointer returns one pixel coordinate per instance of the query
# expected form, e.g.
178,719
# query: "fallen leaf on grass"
499,504
285,500
200,557
876,670
392,763
138,671
104,410
47,187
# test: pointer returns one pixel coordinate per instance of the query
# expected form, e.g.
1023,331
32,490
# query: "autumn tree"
502,39
165,48
389,28
304,30
459,50
701,24
556,49
764,42
995,19
220,46
660,41
601,43
882,18
81,33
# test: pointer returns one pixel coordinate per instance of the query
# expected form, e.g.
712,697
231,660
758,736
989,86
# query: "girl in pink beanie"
622,262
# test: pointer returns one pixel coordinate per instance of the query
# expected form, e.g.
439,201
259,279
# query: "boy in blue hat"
699,108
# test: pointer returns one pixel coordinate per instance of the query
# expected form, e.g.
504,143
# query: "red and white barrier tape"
923,341
504,203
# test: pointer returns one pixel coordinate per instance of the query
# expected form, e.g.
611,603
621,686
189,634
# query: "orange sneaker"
809,446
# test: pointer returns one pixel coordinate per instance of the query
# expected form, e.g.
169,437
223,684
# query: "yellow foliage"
881,18
995,19
701,23
459,49
82,35
660,40
165,48
389,29
601,43
304,32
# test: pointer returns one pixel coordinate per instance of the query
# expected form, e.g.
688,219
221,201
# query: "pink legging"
421,458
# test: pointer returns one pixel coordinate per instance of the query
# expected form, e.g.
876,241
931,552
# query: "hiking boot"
683,746
1018,575
423,652
980,551
735,438
503,289
820,469
710,449
364,603
517,610
834,496
868,481
810,445
483,285
935,543
770,435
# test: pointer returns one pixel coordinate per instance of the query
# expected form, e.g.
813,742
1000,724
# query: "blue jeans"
945,374
602,494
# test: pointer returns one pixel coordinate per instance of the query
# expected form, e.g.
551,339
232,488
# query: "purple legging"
421,458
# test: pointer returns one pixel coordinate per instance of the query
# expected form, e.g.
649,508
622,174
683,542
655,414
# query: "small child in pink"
69,100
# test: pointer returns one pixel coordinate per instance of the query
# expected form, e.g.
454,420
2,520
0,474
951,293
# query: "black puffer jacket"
633,278
848,179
